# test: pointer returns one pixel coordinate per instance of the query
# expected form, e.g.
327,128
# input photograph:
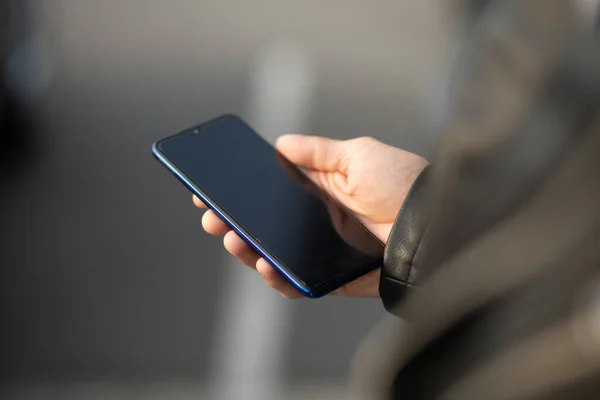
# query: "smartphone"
309,238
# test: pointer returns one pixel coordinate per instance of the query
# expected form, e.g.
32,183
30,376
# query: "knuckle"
365,140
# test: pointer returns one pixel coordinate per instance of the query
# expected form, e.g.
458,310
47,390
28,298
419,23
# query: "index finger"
198,203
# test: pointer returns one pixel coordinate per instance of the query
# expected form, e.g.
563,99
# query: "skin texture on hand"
369,178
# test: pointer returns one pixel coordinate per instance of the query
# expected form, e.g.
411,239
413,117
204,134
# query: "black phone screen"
275,203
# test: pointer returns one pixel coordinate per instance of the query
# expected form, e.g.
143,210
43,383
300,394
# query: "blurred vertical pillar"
253,321
589,10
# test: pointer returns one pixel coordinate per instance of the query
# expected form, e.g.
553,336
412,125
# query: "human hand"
369,178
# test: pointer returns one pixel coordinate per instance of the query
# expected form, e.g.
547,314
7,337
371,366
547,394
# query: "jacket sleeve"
401,263
515,104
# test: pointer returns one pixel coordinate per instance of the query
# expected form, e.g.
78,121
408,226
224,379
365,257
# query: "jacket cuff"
400,269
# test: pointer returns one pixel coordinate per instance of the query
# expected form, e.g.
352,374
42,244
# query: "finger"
365,286
312,152
213,224
197,202
275,280
318,177
240,249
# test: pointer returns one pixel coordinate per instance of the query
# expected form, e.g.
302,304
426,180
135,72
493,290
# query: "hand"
368,177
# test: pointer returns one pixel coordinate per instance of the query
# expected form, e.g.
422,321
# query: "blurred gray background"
106,275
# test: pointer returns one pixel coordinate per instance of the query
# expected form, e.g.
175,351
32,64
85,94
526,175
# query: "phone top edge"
191,128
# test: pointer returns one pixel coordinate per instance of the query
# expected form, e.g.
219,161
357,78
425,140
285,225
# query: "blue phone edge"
296,283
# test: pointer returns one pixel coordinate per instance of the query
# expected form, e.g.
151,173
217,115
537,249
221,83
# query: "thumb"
312,152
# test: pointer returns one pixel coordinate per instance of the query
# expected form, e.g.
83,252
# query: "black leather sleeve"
400,268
